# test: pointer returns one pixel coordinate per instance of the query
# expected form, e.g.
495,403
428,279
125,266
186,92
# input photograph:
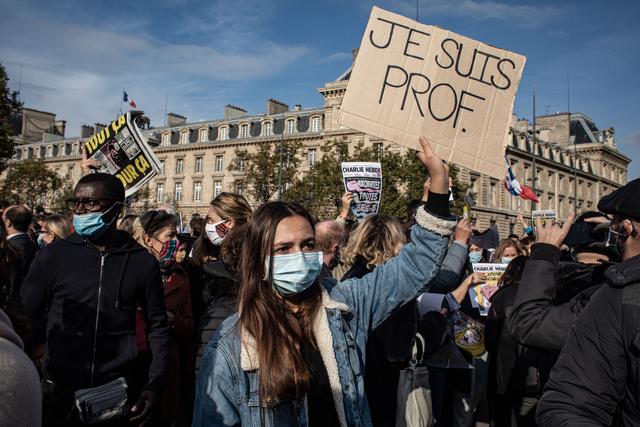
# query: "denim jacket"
227,389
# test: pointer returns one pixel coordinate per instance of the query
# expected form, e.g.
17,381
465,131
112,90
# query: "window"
198,168
69,172
184,136
242,164
267,128
165,138
315,124
178,195
224,133
244,131
217,188
378,148
160,193
219,163
311,156
161,172
197,191
49,151
291,125
179,166
203,135
239,188
74,149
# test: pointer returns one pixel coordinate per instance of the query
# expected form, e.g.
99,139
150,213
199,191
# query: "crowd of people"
270,317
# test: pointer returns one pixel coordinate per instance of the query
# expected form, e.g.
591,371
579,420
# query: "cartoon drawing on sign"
411,80
364,180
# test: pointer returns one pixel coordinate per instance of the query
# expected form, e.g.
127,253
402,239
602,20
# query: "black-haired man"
596,380
88,287
17,220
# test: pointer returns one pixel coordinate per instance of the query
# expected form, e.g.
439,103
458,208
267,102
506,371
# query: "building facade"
575,163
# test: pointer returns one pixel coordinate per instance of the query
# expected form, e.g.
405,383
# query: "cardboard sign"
364,180
482,293
541,217
411,80
121,150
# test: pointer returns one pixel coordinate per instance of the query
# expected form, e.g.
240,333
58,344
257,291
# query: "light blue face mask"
506,260
92,224
294,273
475,257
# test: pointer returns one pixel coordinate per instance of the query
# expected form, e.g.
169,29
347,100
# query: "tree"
459,190
9,106
272,166
32,183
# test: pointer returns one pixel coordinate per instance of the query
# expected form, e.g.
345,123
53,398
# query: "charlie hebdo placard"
121,150
364,180
411,80
481,294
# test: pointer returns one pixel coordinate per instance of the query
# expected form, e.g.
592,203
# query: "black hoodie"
67,281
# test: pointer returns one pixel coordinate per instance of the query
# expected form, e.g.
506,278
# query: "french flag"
516,189
128,100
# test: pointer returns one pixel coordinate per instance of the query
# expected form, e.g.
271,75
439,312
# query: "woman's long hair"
58,225
279,332
507,243
378,238
512,275
227,206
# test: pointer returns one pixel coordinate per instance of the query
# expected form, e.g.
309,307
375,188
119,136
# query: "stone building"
197,156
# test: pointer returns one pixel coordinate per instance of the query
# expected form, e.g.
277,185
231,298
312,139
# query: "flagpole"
121,99
533,156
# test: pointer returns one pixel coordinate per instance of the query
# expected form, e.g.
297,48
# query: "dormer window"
203,135
316,124
165,138
184,136
267,129
291,125
224,133
244,130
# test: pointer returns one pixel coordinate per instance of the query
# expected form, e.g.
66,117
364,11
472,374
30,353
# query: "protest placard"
482,293
364,180
541,217
121,150
411,80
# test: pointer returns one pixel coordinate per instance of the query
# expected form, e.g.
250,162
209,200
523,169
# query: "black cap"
625,201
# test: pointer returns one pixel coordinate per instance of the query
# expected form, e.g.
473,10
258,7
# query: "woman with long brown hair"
294,353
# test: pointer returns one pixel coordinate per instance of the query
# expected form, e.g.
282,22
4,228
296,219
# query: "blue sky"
76,56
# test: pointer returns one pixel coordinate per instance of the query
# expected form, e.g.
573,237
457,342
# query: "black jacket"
68,280
551,296
596,380
219,296
25,248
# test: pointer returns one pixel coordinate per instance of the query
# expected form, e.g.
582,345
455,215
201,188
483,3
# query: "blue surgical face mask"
92,224
294,273
506,260
475,257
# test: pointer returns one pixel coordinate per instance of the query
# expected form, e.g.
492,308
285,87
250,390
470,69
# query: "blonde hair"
507,243
58,225
137,232
231,205
377,239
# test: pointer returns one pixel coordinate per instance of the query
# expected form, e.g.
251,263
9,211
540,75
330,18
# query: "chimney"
86,131
233,112
297,107
174,119
61,126
276,107
97,127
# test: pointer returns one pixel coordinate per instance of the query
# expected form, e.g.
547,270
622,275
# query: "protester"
17,220
516,373
329,236
225,212
21,402
183,249
476,254
506,251
55,227
596,380
87,287
156,231
11,270
308,365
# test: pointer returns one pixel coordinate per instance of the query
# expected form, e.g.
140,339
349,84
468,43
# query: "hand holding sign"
88,165
552,234
438,171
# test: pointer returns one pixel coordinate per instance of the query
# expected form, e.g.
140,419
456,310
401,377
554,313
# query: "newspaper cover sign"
482,293
411,80
541,217
364,180
121,150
